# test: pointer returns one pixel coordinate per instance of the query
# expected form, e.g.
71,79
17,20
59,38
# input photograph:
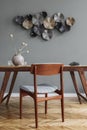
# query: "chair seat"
41,88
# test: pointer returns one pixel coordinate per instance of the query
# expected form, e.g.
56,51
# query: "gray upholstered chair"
33,91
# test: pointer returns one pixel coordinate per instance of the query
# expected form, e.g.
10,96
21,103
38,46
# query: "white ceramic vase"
18,59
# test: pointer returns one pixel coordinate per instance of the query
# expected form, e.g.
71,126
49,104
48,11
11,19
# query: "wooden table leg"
75,85
83,81
4,85
11,86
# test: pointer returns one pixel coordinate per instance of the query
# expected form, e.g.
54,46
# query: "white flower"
11,35
24,46
27,51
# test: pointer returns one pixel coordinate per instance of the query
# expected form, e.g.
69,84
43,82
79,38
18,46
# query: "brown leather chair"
33,91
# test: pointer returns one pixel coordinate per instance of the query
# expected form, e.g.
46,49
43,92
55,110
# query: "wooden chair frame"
44,70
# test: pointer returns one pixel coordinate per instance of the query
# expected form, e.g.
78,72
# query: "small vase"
18,59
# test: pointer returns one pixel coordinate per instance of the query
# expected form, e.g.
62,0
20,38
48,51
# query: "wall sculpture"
43,25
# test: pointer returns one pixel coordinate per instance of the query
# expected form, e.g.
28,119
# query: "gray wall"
65,48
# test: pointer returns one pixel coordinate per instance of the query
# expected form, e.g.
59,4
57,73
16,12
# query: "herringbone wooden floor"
75,115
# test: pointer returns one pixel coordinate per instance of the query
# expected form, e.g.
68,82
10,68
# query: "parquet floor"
75,115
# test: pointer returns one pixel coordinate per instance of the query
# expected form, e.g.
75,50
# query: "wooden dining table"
14,70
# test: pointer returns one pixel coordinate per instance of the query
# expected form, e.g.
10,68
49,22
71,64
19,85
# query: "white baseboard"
65,95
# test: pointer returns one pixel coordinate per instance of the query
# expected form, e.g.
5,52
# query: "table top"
28,67
75,68
15,68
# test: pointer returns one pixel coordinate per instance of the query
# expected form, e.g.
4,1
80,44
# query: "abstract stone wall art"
42,25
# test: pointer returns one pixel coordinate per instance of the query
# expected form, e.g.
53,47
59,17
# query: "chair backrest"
46,69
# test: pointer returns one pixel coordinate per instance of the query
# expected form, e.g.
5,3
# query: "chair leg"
36,113
20,104
46,104
62,109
